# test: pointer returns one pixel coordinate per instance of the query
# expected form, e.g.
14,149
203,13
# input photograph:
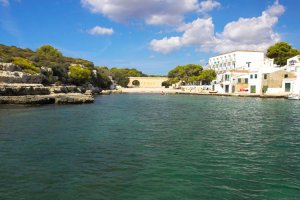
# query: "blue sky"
153,36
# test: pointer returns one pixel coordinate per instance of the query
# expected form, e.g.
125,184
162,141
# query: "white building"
293,65
240,71
241,60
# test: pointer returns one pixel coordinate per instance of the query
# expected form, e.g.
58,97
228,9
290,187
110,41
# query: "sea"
152,147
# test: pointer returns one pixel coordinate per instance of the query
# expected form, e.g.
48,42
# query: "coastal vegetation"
121,75
282,51
190,73
26,65
59,69
79,75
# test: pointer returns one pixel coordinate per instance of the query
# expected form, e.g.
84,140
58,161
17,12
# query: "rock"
88,92
37,99
23,89
106,92
46,70
73,99
65,89
48,99
9,67
20,77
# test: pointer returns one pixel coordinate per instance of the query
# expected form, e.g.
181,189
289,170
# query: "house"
242,60
240,71
278,82
293,65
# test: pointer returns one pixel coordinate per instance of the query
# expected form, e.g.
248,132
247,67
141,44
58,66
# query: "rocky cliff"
17,87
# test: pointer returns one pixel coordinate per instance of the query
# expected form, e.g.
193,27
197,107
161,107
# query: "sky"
153,36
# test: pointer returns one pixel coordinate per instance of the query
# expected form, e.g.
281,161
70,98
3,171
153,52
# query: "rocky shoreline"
48,99
18,87
39,94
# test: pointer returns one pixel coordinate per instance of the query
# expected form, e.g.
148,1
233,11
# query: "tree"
207,76
282,51
79,75
101,80
48,51
166,84
187,73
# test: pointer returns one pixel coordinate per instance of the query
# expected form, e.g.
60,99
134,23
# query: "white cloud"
251,33
157,12
197,33
208,5
246,33
4,3
166,45
98,30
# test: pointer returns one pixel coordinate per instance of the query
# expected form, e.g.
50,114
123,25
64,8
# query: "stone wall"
147,82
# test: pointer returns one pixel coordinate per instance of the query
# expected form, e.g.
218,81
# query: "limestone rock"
9,67
23,89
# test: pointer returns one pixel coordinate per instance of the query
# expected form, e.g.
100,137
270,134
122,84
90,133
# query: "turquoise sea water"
152,147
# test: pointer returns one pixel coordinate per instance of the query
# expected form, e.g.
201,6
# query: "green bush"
48,50
101,80
26,65
79,75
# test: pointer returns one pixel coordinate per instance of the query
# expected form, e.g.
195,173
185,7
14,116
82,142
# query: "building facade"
239,60
241,71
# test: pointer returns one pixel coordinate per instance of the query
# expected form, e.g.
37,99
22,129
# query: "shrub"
26,65
79,75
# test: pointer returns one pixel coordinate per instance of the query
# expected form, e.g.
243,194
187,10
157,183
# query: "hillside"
59,69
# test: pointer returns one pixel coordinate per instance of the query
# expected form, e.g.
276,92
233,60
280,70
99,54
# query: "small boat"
294,97
213,92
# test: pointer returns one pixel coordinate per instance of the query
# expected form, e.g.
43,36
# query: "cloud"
208,5
251,33
246,33
4,3
156,12
166,45
196,33
98,30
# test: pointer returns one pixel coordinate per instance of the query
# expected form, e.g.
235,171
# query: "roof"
251,51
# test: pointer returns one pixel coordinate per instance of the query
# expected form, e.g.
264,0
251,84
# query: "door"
253,89
287,87
226,88
265,89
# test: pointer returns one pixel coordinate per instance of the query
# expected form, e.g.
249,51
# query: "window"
227,77
239,80
265,76
286,76
251,76
255,76
246,80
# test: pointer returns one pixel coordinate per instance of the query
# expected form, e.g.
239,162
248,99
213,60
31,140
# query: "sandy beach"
150,90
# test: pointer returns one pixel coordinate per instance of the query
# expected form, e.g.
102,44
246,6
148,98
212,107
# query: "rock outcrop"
17,87
9,67
73,98
23,89
31,99
66,89
19,77
48,99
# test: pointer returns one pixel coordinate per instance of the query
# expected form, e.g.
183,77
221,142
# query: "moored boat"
294,97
